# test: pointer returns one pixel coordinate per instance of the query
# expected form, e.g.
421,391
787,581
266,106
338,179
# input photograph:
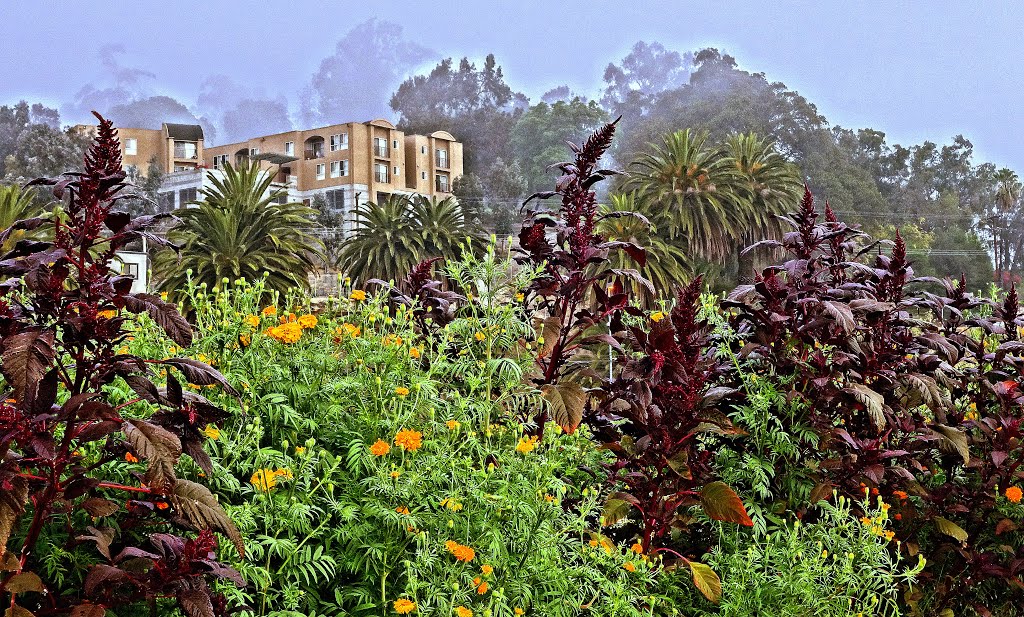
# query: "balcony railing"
380,150
441,160
381,176
314,153
441,184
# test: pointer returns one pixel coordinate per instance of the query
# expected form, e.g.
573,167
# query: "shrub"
85,524
377,465
834,567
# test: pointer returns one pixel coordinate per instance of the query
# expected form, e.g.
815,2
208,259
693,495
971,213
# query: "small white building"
134,264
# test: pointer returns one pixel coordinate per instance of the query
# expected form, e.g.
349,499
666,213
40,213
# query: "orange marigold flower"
380,448
162,505
308,321
403,392
270,310
1014,494
460,551
482,589
264,480
901,495
637,548
252,321
286,333
487,569
358,295
110,314
131,458
629,567
462,611
404,606
526,444
452,425
414,352
402,510
409,440
519,611
396,473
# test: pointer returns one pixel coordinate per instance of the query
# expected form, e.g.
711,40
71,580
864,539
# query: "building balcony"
380,152
441,162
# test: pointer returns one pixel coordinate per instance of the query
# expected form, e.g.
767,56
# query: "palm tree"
668,264
240,231
1003,215
771,183
393,236
16,204
701,188
385,243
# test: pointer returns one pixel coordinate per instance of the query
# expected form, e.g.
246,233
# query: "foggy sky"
917,70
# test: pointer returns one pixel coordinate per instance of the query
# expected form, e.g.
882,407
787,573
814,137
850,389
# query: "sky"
927,69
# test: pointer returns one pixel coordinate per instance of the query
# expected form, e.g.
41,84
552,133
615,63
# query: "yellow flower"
409,440
308,321
403,392
487,569
452,425
264,480
286,333
252,321
212,432
395,474
270,310
519,611
889,535
637,548
404,606
358,295
245,339
163,296
402,510
460,551
300,450
1014,494
479,336
462,611
380,448
520,297
526,444
629,567
657,316
414,352
451,504
284,473
110,314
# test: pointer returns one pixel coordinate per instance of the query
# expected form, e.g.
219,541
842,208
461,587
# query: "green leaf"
616,508
951,529
723,504
706,580
678,464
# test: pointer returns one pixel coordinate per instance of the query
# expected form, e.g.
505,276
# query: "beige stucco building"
173,147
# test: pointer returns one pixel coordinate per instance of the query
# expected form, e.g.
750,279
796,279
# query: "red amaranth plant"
656,411
62,322
915,395
577,291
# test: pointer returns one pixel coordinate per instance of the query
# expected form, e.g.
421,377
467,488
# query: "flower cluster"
409,440
460,551
266,479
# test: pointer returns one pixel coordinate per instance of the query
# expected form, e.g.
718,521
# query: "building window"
131,269
314,148
339,142
254,151
396,170
344,167
423,175
335,169
335,200
442,159
321,171
394,144
442,183
289,148
220,161
131,146
185,150
380,172
380,147
423,149
187,196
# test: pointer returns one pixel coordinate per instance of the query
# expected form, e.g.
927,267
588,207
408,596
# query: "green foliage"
539,136
836,566
338,524
239,230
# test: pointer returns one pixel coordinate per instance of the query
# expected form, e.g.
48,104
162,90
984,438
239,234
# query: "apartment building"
351,163
174,147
